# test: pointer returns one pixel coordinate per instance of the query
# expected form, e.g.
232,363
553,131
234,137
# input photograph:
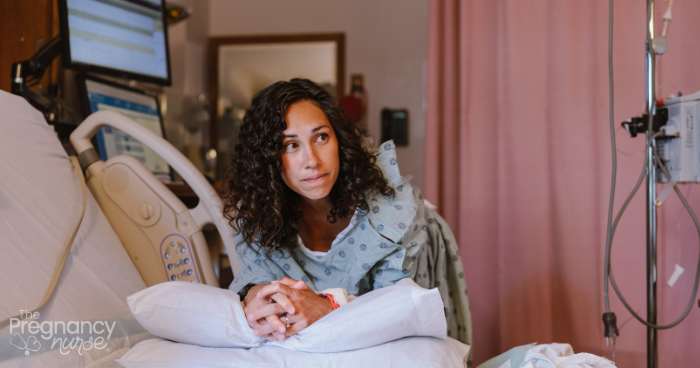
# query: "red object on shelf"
354,105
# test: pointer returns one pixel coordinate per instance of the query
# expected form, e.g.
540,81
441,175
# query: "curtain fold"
518,162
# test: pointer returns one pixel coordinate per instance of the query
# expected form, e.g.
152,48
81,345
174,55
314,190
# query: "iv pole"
652,343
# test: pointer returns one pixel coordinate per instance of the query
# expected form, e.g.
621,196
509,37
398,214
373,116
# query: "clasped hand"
282,308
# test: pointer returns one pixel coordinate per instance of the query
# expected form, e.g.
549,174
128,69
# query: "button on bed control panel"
177,256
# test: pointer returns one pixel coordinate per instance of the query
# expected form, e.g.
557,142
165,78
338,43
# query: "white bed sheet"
410,352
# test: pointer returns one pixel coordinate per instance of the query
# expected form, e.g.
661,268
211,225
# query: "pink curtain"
518,162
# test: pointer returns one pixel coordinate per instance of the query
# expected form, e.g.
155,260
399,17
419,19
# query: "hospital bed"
40,204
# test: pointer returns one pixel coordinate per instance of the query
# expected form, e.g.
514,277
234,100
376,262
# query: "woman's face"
310,162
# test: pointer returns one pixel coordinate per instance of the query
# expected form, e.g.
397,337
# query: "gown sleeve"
255,267
423,247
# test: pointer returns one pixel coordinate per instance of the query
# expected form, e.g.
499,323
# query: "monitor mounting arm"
33,69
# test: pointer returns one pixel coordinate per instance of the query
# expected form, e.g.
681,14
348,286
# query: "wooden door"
25,26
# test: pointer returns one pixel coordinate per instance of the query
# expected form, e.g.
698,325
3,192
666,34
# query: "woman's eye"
323,137
290,147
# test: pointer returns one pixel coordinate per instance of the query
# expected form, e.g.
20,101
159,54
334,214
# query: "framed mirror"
243,65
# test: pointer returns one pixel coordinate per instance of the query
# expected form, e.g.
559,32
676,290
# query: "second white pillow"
193,313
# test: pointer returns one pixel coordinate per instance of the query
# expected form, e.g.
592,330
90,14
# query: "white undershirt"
310,253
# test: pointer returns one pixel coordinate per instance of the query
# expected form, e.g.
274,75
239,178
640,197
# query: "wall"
187,40
386,40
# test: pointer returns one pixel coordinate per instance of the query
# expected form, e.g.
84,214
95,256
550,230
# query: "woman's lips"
314,179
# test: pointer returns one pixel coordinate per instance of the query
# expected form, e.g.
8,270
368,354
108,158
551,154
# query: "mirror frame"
215,44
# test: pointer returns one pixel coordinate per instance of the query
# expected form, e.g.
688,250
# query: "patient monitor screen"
137,106
119,35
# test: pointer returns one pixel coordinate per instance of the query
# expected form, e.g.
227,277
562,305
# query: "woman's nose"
311,158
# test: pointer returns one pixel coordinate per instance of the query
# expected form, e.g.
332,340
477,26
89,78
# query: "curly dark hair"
258,203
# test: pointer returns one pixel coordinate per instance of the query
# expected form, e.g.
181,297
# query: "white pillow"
193,313
409,352
207,316
386,314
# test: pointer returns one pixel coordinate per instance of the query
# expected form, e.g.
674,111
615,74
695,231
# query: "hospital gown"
398,237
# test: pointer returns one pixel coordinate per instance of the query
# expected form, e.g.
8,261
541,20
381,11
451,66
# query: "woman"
316,210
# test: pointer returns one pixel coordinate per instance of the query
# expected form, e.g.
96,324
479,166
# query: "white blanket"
546,356
562,356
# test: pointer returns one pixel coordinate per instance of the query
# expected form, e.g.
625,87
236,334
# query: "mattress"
39,207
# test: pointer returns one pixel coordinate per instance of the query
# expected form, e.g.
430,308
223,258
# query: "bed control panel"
178,259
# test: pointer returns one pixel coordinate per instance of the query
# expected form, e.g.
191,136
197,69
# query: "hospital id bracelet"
331,300
340,296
